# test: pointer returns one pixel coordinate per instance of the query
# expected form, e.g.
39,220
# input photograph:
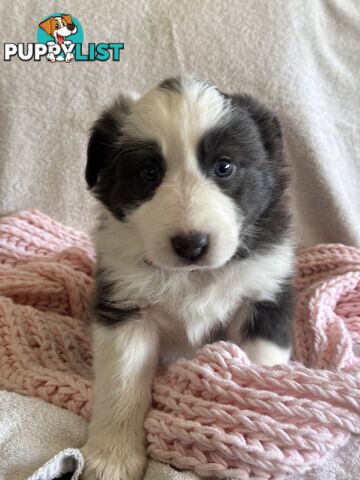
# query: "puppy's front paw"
266,353
118,462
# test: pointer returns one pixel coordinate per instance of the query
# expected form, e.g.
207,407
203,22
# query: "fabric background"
299,57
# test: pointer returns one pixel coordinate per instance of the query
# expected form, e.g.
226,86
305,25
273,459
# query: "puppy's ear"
67,18
47,25
267,123
104,137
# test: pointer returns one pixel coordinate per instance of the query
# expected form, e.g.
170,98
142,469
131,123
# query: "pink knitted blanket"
216,414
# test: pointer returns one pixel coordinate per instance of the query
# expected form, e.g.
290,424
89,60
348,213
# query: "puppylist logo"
60,38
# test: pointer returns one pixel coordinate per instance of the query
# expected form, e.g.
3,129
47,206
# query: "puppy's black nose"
71,26
191,246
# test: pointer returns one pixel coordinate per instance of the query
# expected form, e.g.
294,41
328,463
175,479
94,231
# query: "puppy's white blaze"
177,121
266,353
193,204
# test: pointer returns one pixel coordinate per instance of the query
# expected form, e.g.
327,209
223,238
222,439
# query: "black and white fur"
154,165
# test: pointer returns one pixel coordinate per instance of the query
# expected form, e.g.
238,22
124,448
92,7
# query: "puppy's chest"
207,297
196,307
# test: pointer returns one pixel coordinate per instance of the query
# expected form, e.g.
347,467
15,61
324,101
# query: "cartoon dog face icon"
59,27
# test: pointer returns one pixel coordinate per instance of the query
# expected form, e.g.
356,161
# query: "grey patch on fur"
114,165
104,135
273,320
172,84
108,312
251,137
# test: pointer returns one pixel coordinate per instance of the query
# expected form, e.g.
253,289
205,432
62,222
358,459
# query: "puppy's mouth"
60,39
182,266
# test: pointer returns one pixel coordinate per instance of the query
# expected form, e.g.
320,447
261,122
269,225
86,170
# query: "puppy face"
189,169
59,27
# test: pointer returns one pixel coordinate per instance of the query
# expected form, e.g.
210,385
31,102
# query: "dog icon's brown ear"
47,25
67,18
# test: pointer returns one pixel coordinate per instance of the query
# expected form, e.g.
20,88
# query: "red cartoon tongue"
60,39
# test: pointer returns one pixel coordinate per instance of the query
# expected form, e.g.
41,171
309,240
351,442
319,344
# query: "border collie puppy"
193,245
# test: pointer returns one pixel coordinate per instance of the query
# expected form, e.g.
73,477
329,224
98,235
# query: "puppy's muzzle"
191,246
71,27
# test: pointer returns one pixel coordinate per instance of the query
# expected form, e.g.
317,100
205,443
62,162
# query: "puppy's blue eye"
224,168
150,173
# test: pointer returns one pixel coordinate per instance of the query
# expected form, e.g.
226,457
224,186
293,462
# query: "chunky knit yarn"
45,289
216,414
